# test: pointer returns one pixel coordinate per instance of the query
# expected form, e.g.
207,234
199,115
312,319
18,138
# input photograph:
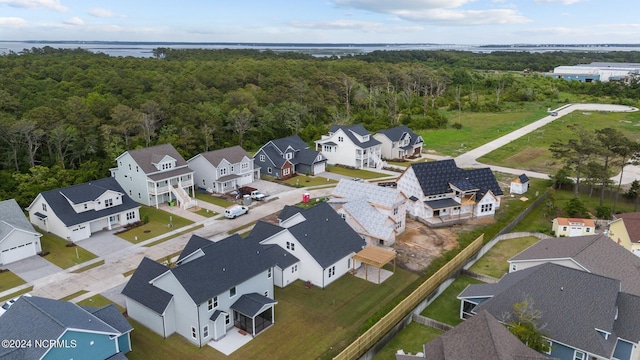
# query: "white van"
235,211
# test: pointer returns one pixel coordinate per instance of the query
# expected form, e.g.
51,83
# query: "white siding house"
18,239
351,146
223,170
399,142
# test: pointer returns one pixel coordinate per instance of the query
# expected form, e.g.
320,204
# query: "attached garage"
319,168
17,253
80,233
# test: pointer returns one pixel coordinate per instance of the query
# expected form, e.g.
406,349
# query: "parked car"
554,113
10,302
235,211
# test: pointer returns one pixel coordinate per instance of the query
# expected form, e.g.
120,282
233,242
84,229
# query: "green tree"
575,208
525,325
576,152
633,193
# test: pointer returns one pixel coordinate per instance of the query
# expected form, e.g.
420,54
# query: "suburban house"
351,146
155,175
56,329
595,254
214,287
18,238
75,212
625,230
399,142
519,185
223,170
562,295
283,157
573,227
480,337
441,193
376,213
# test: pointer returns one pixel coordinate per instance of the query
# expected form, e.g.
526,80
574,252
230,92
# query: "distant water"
144,49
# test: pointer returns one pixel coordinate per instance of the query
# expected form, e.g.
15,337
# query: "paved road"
469,159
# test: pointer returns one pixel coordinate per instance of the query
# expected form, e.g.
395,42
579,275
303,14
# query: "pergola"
376,256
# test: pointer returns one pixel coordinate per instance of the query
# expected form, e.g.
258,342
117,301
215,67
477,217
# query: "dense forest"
66,114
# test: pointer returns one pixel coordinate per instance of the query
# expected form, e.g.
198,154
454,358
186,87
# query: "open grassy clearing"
410,339
531,152
158,224
494,262
477,129
446,308
62,255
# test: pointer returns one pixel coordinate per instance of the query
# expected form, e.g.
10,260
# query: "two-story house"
351,146
399,142
75,212
625,231
18,238
223,170
155,175
441,193
281,158
377,213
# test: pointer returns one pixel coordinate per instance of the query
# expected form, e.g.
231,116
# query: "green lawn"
212,199
15,294
531,152
158,224
9,280
478,129
206,212
494,262
99,301
410,339
61,255
305,181
446,308
309,323
355,173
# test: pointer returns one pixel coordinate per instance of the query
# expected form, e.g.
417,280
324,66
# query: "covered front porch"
447,211
172,185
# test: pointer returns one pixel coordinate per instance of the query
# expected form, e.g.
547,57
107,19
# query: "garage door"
575,231
80,233
18,253
318,168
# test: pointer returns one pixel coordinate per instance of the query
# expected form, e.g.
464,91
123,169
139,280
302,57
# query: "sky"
473,22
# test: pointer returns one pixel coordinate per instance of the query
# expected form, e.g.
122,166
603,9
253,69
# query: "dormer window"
108,203
289,156
365,138
166,166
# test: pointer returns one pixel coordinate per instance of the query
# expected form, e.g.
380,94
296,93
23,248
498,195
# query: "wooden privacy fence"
384,325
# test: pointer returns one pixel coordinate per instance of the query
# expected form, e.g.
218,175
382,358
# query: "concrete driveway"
104,243
33,268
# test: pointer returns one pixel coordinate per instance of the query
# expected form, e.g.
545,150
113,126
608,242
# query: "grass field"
531,152
305,181
15,294
410,339
446,308
355,173
9,280
494,262
206,212
61,255
215,200
158,224
477,129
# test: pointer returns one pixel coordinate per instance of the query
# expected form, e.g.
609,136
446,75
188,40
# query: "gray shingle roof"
375,194
441,203
627,326
397,133
324,234
434,177
563,296
171,173
65,212
37,318
146,157
233,154
523,178
275,150
357,129
112,316
481,337
12,217
293,141
139,289
597,253
251,304
308,157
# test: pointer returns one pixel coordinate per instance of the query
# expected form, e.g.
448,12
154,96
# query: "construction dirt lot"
419,244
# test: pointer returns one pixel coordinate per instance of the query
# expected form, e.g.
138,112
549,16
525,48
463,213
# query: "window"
205,331
165,166
294,268
588,229
193,333
291,246
227,319
129,166
212,303
327,148
245,165
44,207
262,157
131,215
289,156
395,211
232,292
269,170
578,355
365,138
130,193
223,171
486,207
203,182
564,228
86,206
514,267
332,271
108,203
286,171
340,139
137,168
266,293
269,273
139,197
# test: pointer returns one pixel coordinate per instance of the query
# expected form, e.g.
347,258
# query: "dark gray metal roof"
37,318
12,217
597,253
233,154
146,157
252,304
480,337
442,203
359,130
65,212
434,177
325,235
572,303
139,289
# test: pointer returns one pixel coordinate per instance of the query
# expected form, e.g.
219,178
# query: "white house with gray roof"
351,146
223,170
18,238
399,142
155,175
75,212
585,315
377,213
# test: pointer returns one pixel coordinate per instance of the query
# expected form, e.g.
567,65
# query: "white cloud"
12,22
390,7
74,21
36,4
103,13
337,24
564,2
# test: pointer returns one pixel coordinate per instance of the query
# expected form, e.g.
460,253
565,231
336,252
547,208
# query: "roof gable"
632,224
139,288
147,157
379,195
13,218
434,178
233,155
353,132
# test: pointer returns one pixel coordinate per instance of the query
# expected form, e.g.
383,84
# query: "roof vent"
327,219
561,288
223,269
305,235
